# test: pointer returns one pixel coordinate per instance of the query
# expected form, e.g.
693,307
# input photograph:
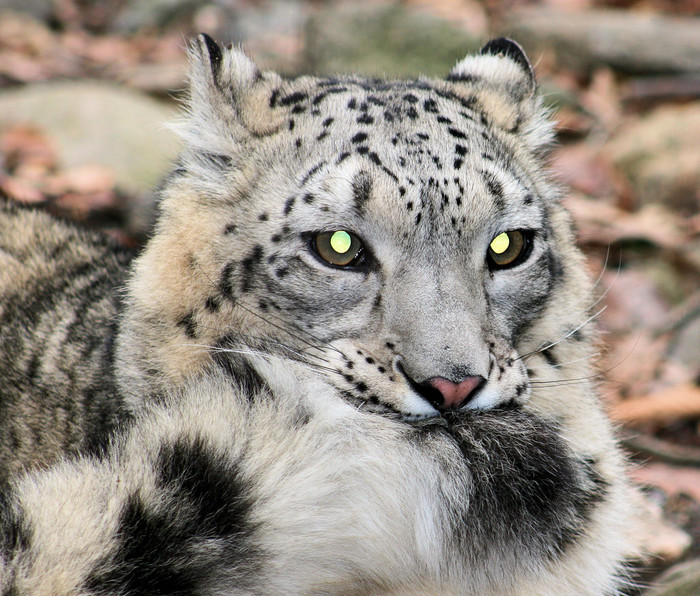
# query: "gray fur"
283,442
58,316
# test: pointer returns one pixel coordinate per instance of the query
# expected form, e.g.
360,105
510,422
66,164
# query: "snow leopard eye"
508,249
339,248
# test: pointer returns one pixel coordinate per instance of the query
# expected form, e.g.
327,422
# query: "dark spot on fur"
322,136
458,134
530,490
352,104
230,229
361,189
430,105
311,172
462,78
327,122
495,187
365,119
226,281
550,357
444,120
412,113
460,150
189,325
263,217
249,265
289,205
359,137
342,157
212,304
308,198
293,98
201,534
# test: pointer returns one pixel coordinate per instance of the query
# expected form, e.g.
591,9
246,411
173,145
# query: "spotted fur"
286,439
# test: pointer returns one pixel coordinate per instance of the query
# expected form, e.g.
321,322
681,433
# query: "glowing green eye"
500,243
507,249
341,242
339,248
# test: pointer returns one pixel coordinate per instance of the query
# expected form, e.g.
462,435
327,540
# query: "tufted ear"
226,88
227,104
501,80
501,63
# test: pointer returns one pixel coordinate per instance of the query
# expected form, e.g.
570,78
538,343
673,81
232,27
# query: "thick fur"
283,441
58,318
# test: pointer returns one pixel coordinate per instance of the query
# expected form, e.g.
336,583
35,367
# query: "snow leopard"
356,357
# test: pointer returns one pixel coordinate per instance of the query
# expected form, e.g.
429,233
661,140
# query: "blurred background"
86,87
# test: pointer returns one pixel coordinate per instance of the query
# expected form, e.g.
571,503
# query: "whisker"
562,364
565,337
301,356
610,285
281,328
285,330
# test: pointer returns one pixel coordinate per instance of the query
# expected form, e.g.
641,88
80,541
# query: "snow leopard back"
58,316
357,353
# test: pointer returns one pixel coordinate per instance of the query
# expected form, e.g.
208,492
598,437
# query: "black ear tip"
214,52
510,49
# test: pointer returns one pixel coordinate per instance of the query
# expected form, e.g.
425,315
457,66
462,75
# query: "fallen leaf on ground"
681,401
672,480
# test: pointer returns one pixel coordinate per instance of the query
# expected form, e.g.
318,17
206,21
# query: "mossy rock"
386,39
99,123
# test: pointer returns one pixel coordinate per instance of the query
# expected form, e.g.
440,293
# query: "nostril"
444,394
455,394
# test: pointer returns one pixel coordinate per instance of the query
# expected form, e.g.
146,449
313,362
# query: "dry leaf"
672,480
681,401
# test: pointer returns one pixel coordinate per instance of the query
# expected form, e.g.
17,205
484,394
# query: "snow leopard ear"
500,82
226,87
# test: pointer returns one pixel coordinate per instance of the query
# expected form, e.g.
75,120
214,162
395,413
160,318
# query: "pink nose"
455,394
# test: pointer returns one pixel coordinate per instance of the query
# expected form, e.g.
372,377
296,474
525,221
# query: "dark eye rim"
360,263
528,242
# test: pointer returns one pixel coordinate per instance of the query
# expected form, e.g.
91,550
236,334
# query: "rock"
154,14
99,123
628,41
681,580
384,39
660,155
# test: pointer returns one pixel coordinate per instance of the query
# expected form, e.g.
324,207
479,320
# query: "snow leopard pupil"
339,248
507,249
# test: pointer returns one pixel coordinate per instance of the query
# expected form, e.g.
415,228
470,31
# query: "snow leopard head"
399,239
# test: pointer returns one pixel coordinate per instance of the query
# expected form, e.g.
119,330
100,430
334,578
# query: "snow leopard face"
397,238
